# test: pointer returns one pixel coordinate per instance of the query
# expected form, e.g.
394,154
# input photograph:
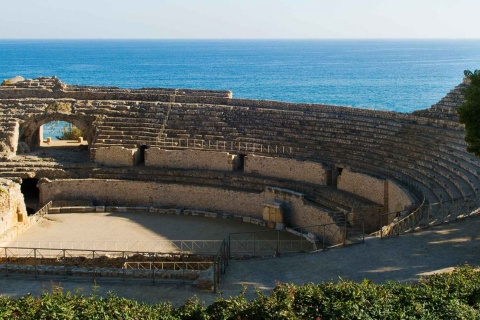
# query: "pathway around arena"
402,258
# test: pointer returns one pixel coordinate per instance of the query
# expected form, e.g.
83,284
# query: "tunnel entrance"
140,161
240,163
31,194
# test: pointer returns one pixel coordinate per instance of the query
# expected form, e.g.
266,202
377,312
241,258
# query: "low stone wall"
189,159
285,168
115,156
364,185
134,193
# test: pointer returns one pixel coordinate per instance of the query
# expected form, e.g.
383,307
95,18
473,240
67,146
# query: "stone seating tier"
425,147
277,136
357,138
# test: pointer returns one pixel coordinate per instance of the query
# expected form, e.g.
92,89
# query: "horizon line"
233,39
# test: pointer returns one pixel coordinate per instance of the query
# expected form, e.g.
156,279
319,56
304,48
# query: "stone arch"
29,128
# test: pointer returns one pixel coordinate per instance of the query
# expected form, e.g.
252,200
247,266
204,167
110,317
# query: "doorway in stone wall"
31,194
140,159
240,162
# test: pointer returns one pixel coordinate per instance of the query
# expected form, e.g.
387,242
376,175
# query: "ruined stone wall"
115,156
300,213
51,87
364,185
13,213
9,138
189,159
285,168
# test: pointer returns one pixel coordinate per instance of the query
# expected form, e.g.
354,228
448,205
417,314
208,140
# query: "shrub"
70,132
444,296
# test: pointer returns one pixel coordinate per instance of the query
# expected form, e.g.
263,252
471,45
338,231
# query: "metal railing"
392,223
168,265
300,239
427,215
179,246
187,143
120,264
42,212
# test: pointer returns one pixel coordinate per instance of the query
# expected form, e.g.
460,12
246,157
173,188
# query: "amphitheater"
328,174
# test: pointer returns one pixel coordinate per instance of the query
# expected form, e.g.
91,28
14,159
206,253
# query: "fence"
182,246
302,239
430,215
42,212
223,145
205,269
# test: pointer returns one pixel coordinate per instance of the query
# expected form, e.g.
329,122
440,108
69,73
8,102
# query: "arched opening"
63,137
61,133
31,194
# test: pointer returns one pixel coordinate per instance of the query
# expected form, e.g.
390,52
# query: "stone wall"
364,185
134,193
384,192
298,212
189,159
285,168
9,138
398,198
425,148
13,213
116,156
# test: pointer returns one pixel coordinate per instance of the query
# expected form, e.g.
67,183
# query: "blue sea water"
399,75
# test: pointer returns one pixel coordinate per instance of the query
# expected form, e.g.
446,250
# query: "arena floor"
404,258
139,231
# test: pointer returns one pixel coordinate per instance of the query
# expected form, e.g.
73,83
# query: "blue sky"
166,19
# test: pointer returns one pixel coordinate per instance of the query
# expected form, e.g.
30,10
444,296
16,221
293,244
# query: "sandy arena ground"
128,231
402,258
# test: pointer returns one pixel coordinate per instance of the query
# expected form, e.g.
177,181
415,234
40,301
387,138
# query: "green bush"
70,132
444,296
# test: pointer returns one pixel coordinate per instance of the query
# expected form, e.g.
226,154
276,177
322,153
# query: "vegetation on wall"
469,112
443,296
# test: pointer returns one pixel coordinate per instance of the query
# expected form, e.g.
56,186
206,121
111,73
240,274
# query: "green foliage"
443,296
469,112
70,132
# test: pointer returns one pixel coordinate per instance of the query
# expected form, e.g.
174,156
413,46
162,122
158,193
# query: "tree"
70,132
469,112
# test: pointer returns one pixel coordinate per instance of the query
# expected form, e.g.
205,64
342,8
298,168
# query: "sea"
397,75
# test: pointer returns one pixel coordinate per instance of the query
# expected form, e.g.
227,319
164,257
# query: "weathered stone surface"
12,81
13,213
285,168
398,158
